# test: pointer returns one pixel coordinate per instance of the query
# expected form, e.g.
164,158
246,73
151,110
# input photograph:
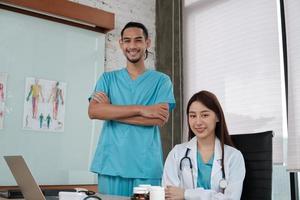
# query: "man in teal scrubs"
134,101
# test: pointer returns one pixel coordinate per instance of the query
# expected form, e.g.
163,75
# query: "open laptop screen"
24,178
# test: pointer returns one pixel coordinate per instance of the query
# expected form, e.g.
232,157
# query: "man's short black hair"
135,25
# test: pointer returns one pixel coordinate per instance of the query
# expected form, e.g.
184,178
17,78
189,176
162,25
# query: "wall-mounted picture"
44,105
3,80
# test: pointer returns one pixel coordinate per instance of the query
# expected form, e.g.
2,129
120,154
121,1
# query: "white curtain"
232,48
292,10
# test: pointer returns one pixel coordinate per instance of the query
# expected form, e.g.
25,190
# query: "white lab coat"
234,170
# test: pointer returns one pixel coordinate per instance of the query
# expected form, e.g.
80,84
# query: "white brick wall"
130,10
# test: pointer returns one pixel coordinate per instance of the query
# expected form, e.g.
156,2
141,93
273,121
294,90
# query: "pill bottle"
140,193
157,193
147,187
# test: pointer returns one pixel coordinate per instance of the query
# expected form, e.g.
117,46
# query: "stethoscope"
90,195
222,184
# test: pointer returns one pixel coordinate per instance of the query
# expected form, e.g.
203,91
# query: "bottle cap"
146,186
156,188
139,190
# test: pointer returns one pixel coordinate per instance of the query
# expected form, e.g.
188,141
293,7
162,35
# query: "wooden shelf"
64,11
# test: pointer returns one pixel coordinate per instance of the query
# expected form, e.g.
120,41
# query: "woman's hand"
174,193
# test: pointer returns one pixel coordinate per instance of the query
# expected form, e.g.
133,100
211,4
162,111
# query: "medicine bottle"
147,188
157,193
140,193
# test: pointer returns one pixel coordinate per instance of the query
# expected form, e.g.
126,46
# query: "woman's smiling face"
202,120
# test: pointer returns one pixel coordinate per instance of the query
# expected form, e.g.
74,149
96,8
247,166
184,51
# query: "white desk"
103,197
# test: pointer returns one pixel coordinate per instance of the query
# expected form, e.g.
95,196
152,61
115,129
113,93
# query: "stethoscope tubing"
222,186
190,163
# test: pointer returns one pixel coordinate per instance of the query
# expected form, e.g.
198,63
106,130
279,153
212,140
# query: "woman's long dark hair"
209,100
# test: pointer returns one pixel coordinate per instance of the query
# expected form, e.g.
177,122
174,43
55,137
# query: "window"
234,49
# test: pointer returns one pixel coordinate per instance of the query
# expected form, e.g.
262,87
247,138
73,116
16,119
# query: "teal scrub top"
126,150
204,172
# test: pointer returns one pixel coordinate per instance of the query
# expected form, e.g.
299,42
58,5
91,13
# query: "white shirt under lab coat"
234,170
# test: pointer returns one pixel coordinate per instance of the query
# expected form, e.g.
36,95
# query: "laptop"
29,188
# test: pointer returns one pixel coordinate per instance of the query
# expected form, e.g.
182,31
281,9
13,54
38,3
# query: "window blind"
292,8
232,49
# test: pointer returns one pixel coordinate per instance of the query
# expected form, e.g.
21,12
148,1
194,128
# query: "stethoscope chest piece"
223,183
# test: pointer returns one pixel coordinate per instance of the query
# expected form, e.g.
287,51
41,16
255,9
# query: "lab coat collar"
216,173
192,144
218,149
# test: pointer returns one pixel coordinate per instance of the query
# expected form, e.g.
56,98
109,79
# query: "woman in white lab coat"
207,167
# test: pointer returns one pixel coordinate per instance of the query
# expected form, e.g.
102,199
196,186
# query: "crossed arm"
101,108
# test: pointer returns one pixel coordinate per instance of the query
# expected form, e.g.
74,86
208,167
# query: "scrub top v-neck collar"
138,79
